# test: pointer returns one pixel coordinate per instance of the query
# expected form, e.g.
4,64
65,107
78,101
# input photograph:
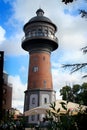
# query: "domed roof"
40,18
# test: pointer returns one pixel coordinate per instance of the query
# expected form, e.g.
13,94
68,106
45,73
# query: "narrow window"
44,83
4,101
45,100
46,32
29,34
39,32
4,91
34,83
35,58
32,117
33,100
33,33
43,57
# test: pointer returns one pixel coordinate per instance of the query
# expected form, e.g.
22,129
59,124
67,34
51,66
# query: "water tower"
39,41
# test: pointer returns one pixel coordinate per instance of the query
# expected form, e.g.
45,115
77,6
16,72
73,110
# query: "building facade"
39,41
5,89
7,93
1,80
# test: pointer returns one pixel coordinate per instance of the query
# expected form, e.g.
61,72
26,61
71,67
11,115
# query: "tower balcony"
43,38
40,35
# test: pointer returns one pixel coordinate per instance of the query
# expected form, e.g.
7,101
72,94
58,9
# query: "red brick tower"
39,41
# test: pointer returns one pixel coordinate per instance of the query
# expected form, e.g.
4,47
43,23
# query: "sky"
71,34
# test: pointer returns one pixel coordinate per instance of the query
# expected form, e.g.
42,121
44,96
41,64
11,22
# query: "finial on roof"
40,12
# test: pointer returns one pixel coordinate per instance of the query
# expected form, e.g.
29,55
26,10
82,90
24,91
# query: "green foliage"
64,91
63,104
66,121
82,12
52,105
77,94
67,1
9,123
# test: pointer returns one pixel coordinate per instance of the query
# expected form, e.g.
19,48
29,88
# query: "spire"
40,12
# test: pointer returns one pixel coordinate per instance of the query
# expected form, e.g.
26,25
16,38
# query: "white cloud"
23,69
2,34
62,78
18,91
18,104
71,30
12,46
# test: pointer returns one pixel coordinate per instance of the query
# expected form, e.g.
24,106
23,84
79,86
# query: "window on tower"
4,91
32,117
28,34
35,68
40,32
4,102
43,57
46,32
45,100
35,58
33,100
44,83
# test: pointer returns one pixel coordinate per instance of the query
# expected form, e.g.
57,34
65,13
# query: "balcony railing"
40,35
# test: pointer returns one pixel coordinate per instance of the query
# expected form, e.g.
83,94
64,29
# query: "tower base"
35,98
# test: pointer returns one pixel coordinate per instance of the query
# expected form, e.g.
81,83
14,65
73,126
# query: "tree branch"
67,1
75,67
83,13
84,49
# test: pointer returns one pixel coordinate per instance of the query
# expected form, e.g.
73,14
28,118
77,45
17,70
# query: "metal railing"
46,36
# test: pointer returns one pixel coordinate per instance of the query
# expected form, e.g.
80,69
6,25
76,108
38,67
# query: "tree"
83,93
67,1
82,12
65,92
77,94
58,120
65,121
78,66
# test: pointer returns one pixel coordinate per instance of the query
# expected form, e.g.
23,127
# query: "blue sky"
14,65
72,35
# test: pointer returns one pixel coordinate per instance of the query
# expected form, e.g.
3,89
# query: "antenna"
40,4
